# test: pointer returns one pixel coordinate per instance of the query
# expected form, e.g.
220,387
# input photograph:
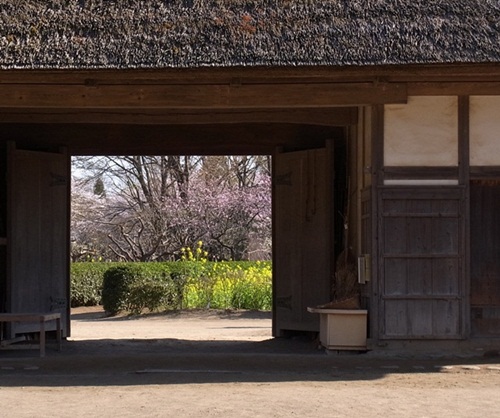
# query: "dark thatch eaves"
86,34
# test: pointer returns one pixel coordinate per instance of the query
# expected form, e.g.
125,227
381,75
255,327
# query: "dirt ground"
226,364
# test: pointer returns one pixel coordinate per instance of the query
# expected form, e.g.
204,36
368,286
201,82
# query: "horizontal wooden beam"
484,172
116,139
454,88
258,74
337,116
200,96
393,172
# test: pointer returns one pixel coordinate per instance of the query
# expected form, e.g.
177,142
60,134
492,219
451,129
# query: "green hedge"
86,283
176,285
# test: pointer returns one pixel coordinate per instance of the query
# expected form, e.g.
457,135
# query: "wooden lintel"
120,139
454,88
337,116
392,172
201,96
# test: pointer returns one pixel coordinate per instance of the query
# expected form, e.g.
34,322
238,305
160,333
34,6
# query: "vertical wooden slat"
67,271
420,276
395,276
395,321
464,179
377,163
420,317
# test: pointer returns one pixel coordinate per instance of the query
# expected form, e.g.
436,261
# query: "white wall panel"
423,132
484,130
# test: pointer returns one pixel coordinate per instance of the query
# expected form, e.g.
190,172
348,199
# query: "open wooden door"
37,249
303,237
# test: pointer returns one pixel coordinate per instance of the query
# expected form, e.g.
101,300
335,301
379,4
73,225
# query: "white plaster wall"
423,132
484,130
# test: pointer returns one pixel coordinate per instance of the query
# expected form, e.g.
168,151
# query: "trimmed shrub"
116,286
147,293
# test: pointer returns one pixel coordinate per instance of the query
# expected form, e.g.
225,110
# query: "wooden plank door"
303,237
422,253
38,236
485,258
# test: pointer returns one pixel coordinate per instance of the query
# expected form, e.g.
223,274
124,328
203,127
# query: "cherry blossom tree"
148,207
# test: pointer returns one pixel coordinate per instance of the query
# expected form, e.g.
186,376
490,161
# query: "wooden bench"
41,319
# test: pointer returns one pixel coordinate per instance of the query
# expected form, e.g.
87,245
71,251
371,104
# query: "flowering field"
226,285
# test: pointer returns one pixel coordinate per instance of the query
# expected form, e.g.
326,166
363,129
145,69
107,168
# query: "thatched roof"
193,33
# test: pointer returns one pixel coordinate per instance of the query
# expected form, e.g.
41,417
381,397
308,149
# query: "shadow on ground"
152,362
123,362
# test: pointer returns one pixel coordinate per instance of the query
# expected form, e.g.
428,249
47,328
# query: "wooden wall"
438,267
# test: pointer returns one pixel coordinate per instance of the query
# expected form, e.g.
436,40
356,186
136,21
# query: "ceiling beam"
109,139
338,116
200,96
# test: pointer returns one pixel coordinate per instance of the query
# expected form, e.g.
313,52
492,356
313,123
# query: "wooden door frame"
463,172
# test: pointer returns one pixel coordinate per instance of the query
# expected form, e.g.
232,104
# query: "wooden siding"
421,263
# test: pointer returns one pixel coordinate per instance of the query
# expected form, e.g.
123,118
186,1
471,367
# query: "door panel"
38,260
421,264
302,237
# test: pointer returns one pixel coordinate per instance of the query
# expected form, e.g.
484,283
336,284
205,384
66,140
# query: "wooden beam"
259,74
200,96
109,139
454,88
377,164
464,176
485,173
393,172
337,116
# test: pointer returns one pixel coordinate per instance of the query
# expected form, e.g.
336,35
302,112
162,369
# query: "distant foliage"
146,208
